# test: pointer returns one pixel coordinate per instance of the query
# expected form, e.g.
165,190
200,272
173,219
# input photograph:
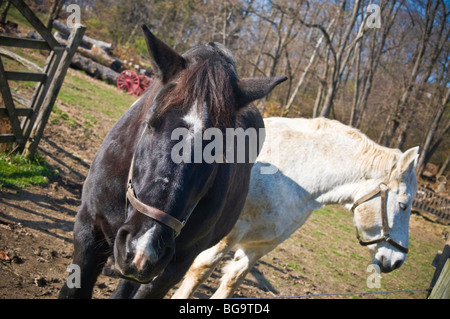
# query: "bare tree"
340,56
436,45
306,70
376,79
5,12
55,8
425,152
397,115
364,74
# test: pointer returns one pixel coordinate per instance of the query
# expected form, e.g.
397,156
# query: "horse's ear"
407,162
166,63
251,89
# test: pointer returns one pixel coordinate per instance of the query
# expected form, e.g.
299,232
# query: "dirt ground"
36,230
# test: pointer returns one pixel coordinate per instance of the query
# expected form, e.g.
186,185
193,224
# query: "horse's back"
280,202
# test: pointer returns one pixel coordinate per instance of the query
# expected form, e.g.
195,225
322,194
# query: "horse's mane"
370,155
209,82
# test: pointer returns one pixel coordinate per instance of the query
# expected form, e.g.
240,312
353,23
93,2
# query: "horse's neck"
346,188
347,192
330,162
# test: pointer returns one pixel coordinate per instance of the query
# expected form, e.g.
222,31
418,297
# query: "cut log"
94,69
87,41
95,53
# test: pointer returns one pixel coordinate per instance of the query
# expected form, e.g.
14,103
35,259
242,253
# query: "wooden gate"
26,133
430,202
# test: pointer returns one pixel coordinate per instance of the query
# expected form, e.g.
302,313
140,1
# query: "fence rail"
26,132
428,201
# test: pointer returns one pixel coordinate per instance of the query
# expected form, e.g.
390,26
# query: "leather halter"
151,211
154,212
382,190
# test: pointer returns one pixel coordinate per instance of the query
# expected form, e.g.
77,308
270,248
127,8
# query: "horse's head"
191,93
382,216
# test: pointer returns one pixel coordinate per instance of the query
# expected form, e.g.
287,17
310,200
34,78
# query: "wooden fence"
429,202
440,283
27,132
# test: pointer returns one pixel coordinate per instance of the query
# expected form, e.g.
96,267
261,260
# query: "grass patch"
107,99
331,259
17,171
58,115
14,15
85,98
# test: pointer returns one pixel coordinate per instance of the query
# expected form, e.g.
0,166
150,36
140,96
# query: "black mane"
210,79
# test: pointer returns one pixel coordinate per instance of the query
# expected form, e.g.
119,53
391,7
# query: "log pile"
94,69
86,41
93,56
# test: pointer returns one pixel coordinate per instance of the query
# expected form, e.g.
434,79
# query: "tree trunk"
445,165
432,58
5,12
53,13
397,115
375,52
318,100
353,115
340,61
305,72
259,54
328,103
425,152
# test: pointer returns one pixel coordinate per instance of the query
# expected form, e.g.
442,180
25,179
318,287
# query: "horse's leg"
90,255
236,270
202,267
125,289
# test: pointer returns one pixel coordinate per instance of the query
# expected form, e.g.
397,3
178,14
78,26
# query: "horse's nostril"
382,261
129,257
122,236
397,264
122,246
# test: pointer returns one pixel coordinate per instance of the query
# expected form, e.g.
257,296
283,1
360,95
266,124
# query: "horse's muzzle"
388,260
142,256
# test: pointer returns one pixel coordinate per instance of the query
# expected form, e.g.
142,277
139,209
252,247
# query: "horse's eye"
403,206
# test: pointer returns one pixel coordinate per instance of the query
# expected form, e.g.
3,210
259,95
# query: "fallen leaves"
4,256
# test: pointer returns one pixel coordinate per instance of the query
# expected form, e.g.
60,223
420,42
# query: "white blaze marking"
194,119
143,249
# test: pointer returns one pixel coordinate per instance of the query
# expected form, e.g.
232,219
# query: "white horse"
304,165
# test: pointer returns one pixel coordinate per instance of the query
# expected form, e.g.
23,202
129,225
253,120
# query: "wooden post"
50,98
5,127
40,92
440,283
442,288
9,104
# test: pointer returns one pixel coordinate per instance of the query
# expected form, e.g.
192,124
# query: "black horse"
137,200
